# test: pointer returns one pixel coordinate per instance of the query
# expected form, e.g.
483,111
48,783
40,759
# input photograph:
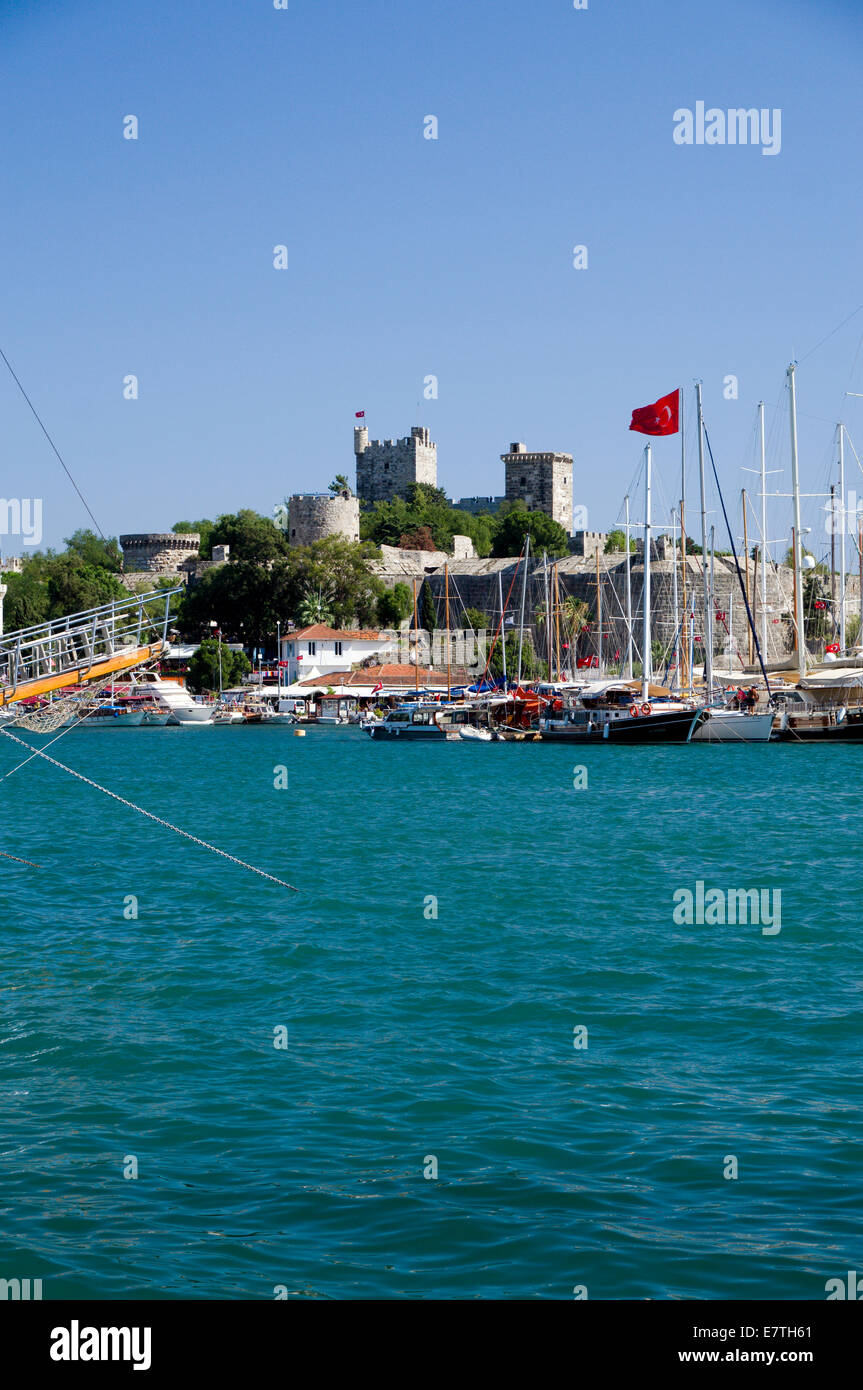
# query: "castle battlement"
387,467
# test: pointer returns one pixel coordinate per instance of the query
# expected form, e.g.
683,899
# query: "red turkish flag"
661,418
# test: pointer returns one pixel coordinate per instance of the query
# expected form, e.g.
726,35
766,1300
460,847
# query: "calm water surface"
412,1037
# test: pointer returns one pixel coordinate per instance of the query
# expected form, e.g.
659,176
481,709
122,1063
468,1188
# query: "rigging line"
853,313
87,697
150,816
51,442
737,564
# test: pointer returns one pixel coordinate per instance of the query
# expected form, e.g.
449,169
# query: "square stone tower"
543,482
385,467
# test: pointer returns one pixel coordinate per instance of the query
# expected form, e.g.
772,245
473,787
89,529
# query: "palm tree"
315,608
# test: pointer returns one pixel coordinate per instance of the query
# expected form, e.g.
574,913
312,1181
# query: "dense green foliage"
394,605
616,540
515,522
423,505
204,666
50,585
247,599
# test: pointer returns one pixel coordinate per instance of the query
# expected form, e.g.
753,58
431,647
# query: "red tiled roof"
321,633
402,676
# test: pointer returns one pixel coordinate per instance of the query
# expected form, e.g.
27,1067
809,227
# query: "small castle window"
386,466
294,532
523,482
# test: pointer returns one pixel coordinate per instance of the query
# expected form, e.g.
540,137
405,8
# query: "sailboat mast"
646,654
598,616
763,532
547,613
798,552
448,673
523,597
684,618
416,643
842,535
674,603
745,573
628,600
502,624
557,616
712,603
708,624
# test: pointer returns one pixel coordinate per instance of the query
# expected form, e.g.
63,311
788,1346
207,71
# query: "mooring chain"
149,814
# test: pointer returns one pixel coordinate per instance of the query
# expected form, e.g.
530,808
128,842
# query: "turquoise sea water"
411,1036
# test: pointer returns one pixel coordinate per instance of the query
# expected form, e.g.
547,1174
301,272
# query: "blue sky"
410,257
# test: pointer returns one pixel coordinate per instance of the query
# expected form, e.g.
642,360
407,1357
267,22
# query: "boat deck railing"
80,643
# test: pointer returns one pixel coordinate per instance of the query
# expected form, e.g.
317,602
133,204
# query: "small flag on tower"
360,415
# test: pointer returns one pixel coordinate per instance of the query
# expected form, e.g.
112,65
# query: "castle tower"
543,482
386,467
314,515
158,552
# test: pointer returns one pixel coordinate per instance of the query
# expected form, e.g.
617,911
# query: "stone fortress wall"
157,552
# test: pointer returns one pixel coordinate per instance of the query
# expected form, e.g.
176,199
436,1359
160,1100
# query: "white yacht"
169,695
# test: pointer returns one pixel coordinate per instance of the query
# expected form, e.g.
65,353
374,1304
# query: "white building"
318,651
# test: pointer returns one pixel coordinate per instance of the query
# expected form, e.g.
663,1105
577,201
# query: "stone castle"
315,515
387,467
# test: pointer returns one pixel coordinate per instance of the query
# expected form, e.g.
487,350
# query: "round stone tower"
314,515
156,553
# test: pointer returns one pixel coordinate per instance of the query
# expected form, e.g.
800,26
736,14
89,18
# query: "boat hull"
850,730
730,726
673,726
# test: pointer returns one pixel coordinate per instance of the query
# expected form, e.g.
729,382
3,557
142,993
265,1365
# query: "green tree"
95,551
475,618
250,535
340,484
425,506
394,605
204,666
316,607
203,528
546,534
616,540
428,612
26,602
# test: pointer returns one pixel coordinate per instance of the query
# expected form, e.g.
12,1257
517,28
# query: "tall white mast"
763,533
842,534
628,600
795,487
708,615
645,656
674,602
502,626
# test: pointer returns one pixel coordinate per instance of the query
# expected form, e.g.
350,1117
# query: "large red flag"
661,418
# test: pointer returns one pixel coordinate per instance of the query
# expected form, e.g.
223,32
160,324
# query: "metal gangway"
84,646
